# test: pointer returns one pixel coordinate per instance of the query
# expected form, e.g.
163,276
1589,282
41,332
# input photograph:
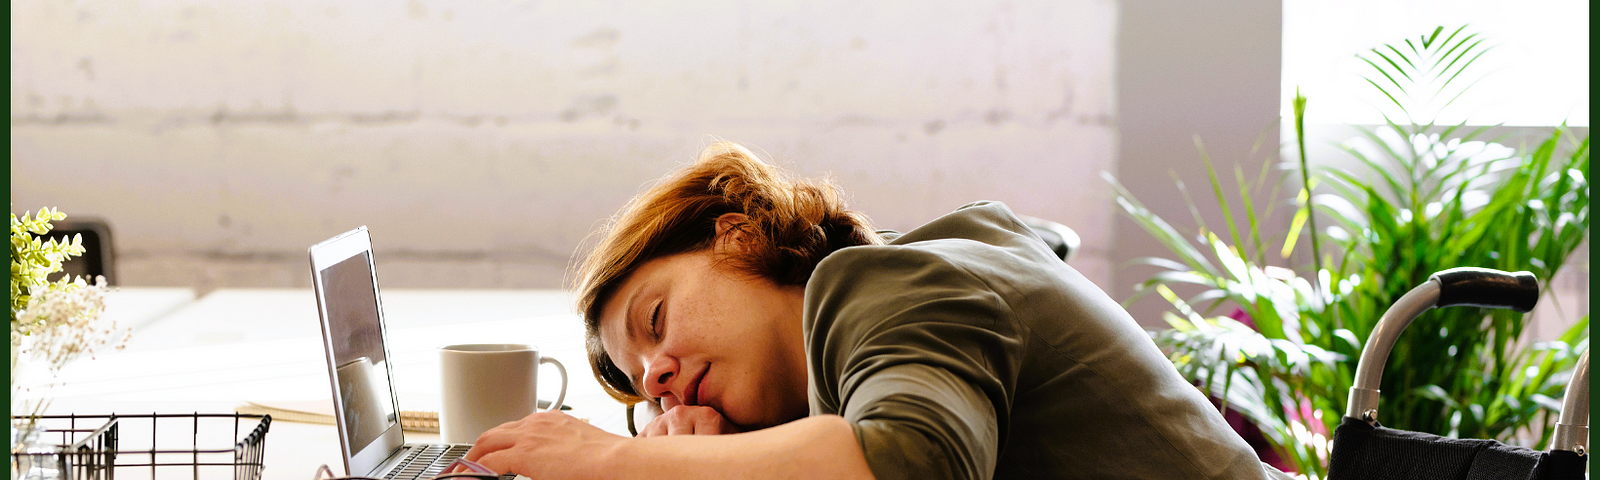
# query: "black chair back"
99,256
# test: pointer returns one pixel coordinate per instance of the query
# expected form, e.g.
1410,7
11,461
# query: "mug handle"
556,405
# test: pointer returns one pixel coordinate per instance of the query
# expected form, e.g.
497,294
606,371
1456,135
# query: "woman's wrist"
625,459
817,447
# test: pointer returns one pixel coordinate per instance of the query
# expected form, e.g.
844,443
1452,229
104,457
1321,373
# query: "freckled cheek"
693,329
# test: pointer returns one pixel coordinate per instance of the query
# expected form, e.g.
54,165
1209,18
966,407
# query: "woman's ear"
731,231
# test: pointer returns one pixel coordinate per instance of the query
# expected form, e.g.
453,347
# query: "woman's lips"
696,391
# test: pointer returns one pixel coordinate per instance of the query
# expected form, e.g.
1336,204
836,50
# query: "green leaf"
1429,39
1159,262
1457,44
1216,187
1159,228
1295,226
1402,56
1396,66
1385,92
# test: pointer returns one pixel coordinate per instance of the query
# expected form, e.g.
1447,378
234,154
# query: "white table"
264,345
135,307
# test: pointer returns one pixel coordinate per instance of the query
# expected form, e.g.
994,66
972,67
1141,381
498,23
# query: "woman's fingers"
542,444
500,461
688,420
680,424
656,427
488,442
497,438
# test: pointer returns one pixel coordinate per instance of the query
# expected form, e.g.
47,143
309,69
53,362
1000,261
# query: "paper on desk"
321,412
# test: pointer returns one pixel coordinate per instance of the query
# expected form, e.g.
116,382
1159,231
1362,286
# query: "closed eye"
655,320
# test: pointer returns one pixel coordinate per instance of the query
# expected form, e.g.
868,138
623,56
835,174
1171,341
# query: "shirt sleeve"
918,354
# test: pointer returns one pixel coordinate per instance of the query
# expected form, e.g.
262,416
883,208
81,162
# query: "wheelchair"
1365,449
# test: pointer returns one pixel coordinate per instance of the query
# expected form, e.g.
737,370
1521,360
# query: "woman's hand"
689,420
545,445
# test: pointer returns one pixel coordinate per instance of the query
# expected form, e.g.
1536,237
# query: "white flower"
65,322
62,322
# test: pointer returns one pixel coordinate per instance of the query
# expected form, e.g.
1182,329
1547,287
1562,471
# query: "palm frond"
1422,196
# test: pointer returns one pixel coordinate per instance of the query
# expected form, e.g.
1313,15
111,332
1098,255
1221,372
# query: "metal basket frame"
93,452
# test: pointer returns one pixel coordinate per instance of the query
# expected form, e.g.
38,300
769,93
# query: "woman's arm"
555,445
813,447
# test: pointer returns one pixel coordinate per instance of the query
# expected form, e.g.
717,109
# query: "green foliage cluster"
1426,198
33,259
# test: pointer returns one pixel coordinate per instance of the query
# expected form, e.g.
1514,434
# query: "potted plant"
1426,197
52,323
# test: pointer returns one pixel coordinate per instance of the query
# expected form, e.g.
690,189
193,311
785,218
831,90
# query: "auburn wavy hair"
793,224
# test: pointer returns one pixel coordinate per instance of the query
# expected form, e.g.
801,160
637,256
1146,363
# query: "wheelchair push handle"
1482,287
1466,286
1572,429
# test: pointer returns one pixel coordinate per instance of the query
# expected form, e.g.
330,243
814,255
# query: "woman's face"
692,333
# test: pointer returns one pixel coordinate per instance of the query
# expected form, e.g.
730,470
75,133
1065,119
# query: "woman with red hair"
784,337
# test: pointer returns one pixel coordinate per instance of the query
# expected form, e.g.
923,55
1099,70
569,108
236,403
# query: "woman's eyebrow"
630,316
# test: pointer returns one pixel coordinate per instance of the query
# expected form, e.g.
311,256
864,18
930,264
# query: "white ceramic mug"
485,385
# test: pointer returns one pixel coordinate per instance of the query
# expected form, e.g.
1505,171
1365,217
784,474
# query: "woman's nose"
658,376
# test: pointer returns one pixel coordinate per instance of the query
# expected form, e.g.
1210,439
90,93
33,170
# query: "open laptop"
366,409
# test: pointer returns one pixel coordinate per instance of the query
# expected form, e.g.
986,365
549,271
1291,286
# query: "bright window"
1537,74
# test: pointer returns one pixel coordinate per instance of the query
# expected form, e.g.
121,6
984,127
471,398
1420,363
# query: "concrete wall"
483,141
1186,70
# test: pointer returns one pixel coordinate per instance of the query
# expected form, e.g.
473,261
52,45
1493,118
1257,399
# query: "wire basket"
181,445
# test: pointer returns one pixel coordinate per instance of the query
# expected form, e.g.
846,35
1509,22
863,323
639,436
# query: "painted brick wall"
483,141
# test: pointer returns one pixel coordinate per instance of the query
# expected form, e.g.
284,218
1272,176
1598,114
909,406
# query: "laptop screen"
356,337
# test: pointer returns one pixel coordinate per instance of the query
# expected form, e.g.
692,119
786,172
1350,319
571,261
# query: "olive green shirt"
966,349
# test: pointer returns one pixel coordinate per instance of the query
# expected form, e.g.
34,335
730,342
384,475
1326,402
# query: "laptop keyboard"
426,461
